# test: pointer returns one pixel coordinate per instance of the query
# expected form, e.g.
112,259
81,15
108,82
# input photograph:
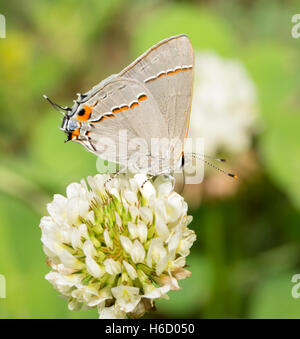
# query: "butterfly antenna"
212,158
203,158
55,105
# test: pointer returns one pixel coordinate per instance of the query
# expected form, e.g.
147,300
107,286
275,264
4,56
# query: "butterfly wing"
124,118
167,71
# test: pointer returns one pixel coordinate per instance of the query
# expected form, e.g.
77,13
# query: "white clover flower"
224,108
118,246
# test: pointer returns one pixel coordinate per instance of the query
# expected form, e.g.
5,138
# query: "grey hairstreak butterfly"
150,100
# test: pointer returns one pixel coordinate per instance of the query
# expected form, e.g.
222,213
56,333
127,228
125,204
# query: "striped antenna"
203,158
56,106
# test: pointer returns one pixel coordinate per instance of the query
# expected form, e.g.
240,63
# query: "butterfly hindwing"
167,71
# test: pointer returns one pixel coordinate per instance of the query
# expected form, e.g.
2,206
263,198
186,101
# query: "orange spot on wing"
161,75
133,105
124,108
87,114
88,109
175,71
76,133
116,110
103,118
142,97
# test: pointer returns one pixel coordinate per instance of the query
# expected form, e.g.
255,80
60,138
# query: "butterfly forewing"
126,106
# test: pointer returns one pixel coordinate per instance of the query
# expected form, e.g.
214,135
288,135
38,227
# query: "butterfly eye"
72,125
81,112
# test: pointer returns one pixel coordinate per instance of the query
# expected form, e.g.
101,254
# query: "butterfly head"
71,127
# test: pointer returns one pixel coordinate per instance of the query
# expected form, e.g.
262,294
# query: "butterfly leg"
167,176
114,175
171,178
148,179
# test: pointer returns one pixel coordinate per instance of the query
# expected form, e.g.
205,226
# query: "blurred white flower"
117,246
224,108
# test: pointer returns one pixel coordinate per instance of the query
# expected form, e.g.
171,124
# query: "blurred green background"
248,244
